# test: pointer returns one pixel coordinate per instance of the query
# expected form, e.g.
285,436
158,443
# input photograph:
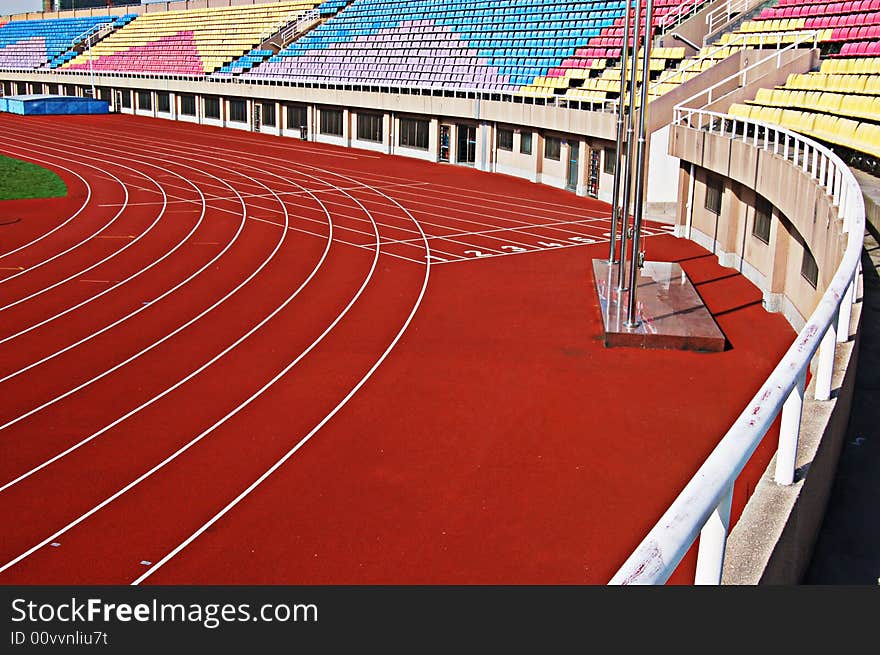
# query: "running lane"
497,441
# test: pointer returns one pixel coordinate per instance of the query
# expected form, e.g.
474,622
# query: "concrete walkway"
848,548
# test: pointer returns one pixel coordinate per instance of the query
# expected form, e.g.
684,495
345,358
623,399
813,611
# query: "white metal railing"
94,34
304,21
724,13
711,92
703,507
682,12
737,42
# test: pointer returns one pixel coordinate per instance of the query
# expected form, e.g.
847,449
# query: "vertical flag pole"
627,180
615,194
635,263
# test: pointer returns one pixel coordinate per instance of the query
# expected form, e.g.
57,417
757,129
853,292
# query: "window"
52,89
163,101
714,190
609,156
809,268
188,105
103,93
552,148
238,111
267,114
297,117
145,100
126,98
414,133
763,215
212,107
331,122
504,140
70,90
370,127
525,143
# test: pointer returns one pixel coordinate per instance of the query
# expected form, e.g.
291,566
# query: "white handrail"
302,22
683,10
801,37
703,506
723,13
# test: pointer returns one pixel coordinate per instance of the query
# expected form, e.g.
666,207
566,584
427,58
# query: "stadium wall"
581,132
773,541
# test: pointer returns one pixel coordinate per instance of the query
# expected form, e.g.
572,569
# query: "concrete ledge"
773,541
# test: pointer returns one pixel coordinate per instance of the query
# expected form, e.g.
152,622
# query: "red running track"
230,358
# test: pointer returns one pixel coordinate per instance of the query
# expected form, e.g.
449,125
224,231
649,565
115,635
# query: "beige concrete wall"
805,215
773,540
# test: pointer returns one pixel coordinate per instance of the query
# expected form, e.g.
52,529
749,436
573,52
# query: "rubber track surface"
231,358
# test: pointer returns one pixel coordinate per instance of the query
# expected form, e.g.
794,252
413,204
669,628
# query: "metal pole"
635,264
91,68
627,180
615,194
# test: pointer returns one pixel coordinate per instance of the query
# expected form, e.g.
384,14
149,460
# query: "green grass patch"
21,179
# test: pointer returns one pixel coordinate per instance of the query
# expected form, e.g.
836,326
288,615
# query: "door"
467,144
444,143
258,116
574,161
593,179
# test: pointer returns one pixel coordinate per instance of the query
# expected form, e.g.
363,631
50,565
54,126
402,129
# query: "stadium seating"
456,44
191,41
840,103
32,44
608,44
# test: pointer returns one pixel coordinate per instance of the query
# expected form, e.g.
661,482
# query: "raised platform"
42,105
671,313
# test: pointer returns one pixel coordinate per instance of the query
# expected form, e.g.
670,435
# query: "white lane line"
77,245
129,244
512,201
130,315
281,193
459,213
290,453
363,246
579,223
520,225
175,152
207,364
60,225
117,284
226,417
563,246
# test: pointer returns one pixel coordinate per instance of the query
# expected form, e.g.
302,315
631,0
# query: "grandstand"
30,44
753,124
189,42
